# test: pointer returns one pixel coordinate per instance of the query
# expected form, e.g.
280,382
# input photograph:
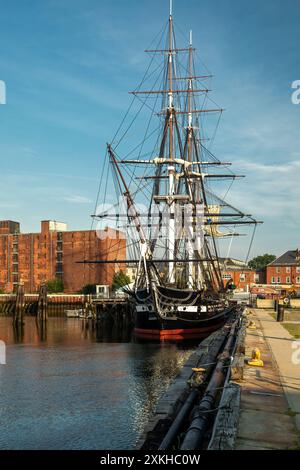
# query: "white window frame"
277,270
242,277
288,269
288,279
298,280
298,269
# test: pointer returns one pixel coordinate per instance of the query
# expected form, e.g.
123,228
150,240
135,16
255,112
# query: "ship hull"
177,330
186,322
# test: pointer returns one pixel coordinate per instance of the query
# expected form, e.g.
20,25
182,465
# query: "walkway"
267,418
286,351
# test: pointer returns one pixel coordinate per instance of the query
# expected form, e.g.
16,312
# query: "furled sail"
213,230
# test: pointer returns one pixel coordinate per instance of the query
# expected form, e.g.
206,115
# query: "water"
72,387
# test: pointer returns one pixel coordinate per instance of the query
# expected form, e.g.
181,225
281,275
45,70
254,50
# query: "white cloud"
76,199
270,191
288,167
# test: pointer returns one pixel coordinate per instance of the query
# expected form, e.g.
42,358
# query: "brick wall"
283,275
243,278
37,257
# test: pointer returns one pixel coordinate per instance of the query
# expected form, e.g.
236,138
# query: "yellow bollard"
252,325
256,359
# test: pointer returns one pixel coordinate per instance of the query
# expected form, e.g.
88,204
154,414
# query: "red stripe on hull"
177,333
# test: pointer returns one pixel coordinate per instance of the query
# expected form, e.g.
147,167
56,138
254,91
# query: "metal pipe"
195,433
184,411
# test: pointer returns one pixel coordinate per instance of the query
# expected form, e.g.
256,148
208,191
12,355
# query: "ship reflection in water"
72,386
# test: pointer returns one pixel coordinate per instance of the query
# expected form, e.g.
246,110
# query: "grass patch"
293,329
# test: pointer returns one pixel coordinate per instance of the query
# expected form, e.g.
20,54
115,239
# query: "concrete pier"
270,395
259,404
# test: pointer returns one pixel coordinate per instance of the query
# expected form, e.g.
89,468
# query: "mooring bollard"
280,313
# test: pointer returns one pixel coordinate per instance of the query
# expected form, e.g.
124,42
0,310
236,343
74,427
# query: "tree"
88,289
120,279
260,262
55,285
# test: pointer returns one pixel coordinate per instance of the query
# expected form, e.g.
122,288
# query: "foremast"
171,167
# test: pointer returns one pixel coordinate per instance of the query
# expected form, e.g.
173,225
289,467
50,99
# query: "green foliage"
120,279
55,286
261,261
2,291
88,289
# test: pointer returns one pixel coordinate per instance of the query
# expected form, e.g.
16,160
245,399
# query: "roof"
291,257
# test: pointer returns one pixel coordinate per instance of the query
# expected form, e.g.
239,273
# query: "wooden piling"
42,313
19,305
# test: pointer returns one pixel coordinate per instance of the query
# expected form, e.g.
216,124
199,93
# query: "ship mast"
190,248
181,168
171,168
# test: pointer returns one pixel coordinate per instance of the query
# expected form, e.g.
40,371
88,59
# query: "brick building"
33,258
241,275
285,269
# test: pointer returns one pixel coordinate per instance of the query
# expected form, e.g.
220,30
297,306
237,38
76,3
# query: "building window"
256,278
288,270
59,268
226,276
288,280
275,280
15,267
278,280
298,269
277,270
272,280
242,277
298,280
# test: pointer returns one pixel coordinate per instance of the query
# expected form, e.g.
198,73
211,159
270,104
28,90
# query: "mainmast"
191,230
190,87
171,168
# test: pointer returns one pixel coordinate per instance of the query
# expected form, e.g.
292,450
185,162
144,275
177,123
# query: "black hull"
150,325
174,313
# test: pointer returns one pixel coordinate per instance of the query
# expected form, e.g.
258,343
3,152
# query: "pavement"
286,352
270,395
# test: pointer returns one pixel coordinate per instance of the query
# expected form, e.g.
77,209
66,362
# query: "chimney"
53,226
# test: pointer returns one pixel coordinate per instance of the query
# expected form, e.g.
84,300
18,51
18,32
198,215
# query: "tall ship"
161,168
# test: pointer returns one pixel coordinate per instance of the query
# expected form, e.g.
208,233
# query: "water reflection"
69,384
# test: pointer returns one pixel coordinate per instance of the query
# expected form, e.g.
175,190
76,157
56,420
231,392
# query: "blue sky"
68,66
